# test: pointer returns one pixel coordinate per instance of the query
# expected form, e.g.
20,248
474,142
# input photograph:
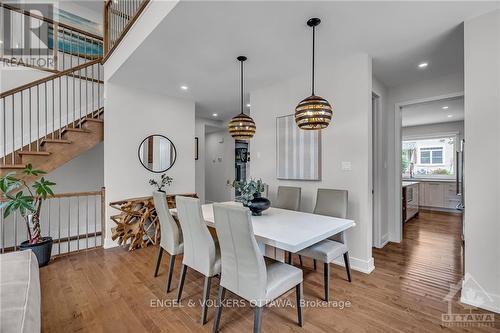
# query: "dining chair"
200,250
245,272
333,203
288,198
171,236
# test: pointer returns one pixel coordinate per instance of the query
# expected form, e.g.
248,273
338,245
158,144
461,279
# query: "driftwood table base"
137,225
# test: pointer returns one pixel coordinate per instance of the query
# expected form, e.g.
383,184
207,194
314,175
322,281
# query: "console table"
137,223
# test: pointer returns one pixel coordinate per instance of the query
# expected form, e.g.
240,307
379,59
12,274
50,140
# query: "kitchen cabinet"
435,194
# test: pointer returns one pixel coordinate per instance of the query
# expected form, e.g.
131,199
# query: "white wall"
408,94
84,173
434,129
482,162
219,166
347,84
131,115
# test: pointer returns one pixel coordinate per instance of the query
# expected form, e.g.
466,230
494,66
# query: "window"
428,157
432,155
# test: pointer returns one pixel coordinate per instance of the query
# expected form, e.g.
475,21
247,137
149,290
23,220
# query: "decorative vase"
258,205
42,250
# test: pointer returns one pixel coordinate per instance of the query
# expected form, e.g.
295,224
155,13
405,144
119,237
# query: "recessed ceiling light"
214,114
450,115
184,87
445,107
248,105
423,65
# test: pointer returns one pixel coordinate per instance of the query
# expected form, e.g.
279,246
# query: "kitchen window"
431,157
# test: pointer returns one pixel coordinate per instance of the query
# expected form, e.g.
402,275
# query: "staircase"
50,121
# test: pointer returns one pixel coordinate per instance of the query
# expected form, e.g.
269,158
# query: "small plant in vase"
29,206
162,183
250,195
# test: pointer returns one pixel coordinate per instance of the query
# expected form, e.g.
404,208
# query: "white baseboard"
492,302
363,266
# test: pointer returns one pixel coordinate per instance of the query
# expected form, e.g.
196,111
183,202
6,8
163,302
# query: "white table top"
287,229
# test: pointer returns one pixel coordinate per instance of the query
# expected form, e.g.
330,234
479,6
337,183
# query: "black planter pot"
258,205
42,250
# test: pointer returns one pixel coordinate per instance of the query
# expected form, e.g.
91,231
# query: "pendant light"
242,127
314,112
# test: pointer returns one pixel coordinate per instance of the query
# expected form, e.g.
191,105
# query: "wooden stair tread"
37,153
80,130
12,166
92,119
55,141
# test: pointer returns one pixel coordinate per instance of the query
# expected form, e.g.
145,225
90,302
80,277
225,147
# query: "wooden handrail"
130,23
48,20
49,78
69,195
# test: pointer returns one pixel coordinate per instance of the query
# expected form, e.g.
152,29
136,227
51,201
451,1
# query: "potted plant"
250,195
29,206
164,181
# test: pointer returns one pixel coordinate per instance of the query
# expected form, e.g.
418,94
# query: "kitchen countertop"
408,183
427,180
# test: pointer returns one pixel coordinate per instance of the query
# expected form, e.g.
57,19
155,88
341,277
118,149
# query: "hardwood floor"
114,291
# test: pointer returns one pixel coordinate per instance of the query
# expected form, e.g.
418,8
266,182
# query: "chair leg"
326,277
206,295
181,282
170,271
218,305
257,321
300,259
314,264
300,304
347,266
158,261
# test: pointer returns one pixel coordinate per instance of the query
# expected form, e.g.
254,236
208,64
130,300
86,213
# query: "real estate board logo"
472,316
27,35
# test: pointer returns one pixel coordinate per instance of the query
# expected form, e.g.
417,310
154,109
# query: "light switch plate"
346,166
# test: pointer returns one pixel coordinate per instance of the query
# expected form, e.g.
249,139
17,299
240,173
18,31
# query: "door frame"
377,169
396,224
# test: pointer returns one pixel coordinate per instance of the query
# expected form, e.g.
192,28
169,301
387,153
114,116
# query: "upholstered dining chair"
200,250
333,203
288,198
245,272
171,236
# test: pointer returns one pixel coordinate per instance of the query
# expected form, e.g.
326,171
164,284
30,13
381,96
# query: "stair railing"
43,109
75,221
119,17
69,46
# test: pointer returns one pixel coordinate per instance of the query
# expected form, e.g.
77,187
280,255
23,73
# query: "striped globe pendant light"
313,112
242,127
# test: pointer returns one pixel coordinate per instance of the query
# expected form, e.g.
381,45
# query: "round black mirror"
157,153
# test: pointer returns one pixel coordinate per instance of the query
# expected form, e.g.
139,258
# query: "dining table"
279,230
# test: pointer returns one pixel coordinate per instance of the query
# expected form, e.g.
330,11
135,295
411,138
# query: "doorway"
430,113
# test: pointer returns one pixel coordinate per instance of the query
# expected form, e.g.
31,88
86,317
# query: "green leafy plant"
28,205
440,171
248,189
164,181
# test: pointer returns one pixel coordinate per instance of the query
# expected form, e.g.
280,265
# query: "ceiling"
197,45
433,112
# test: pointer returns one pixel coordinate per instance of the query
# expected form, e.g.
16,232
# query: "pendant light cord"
242,86
314,40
